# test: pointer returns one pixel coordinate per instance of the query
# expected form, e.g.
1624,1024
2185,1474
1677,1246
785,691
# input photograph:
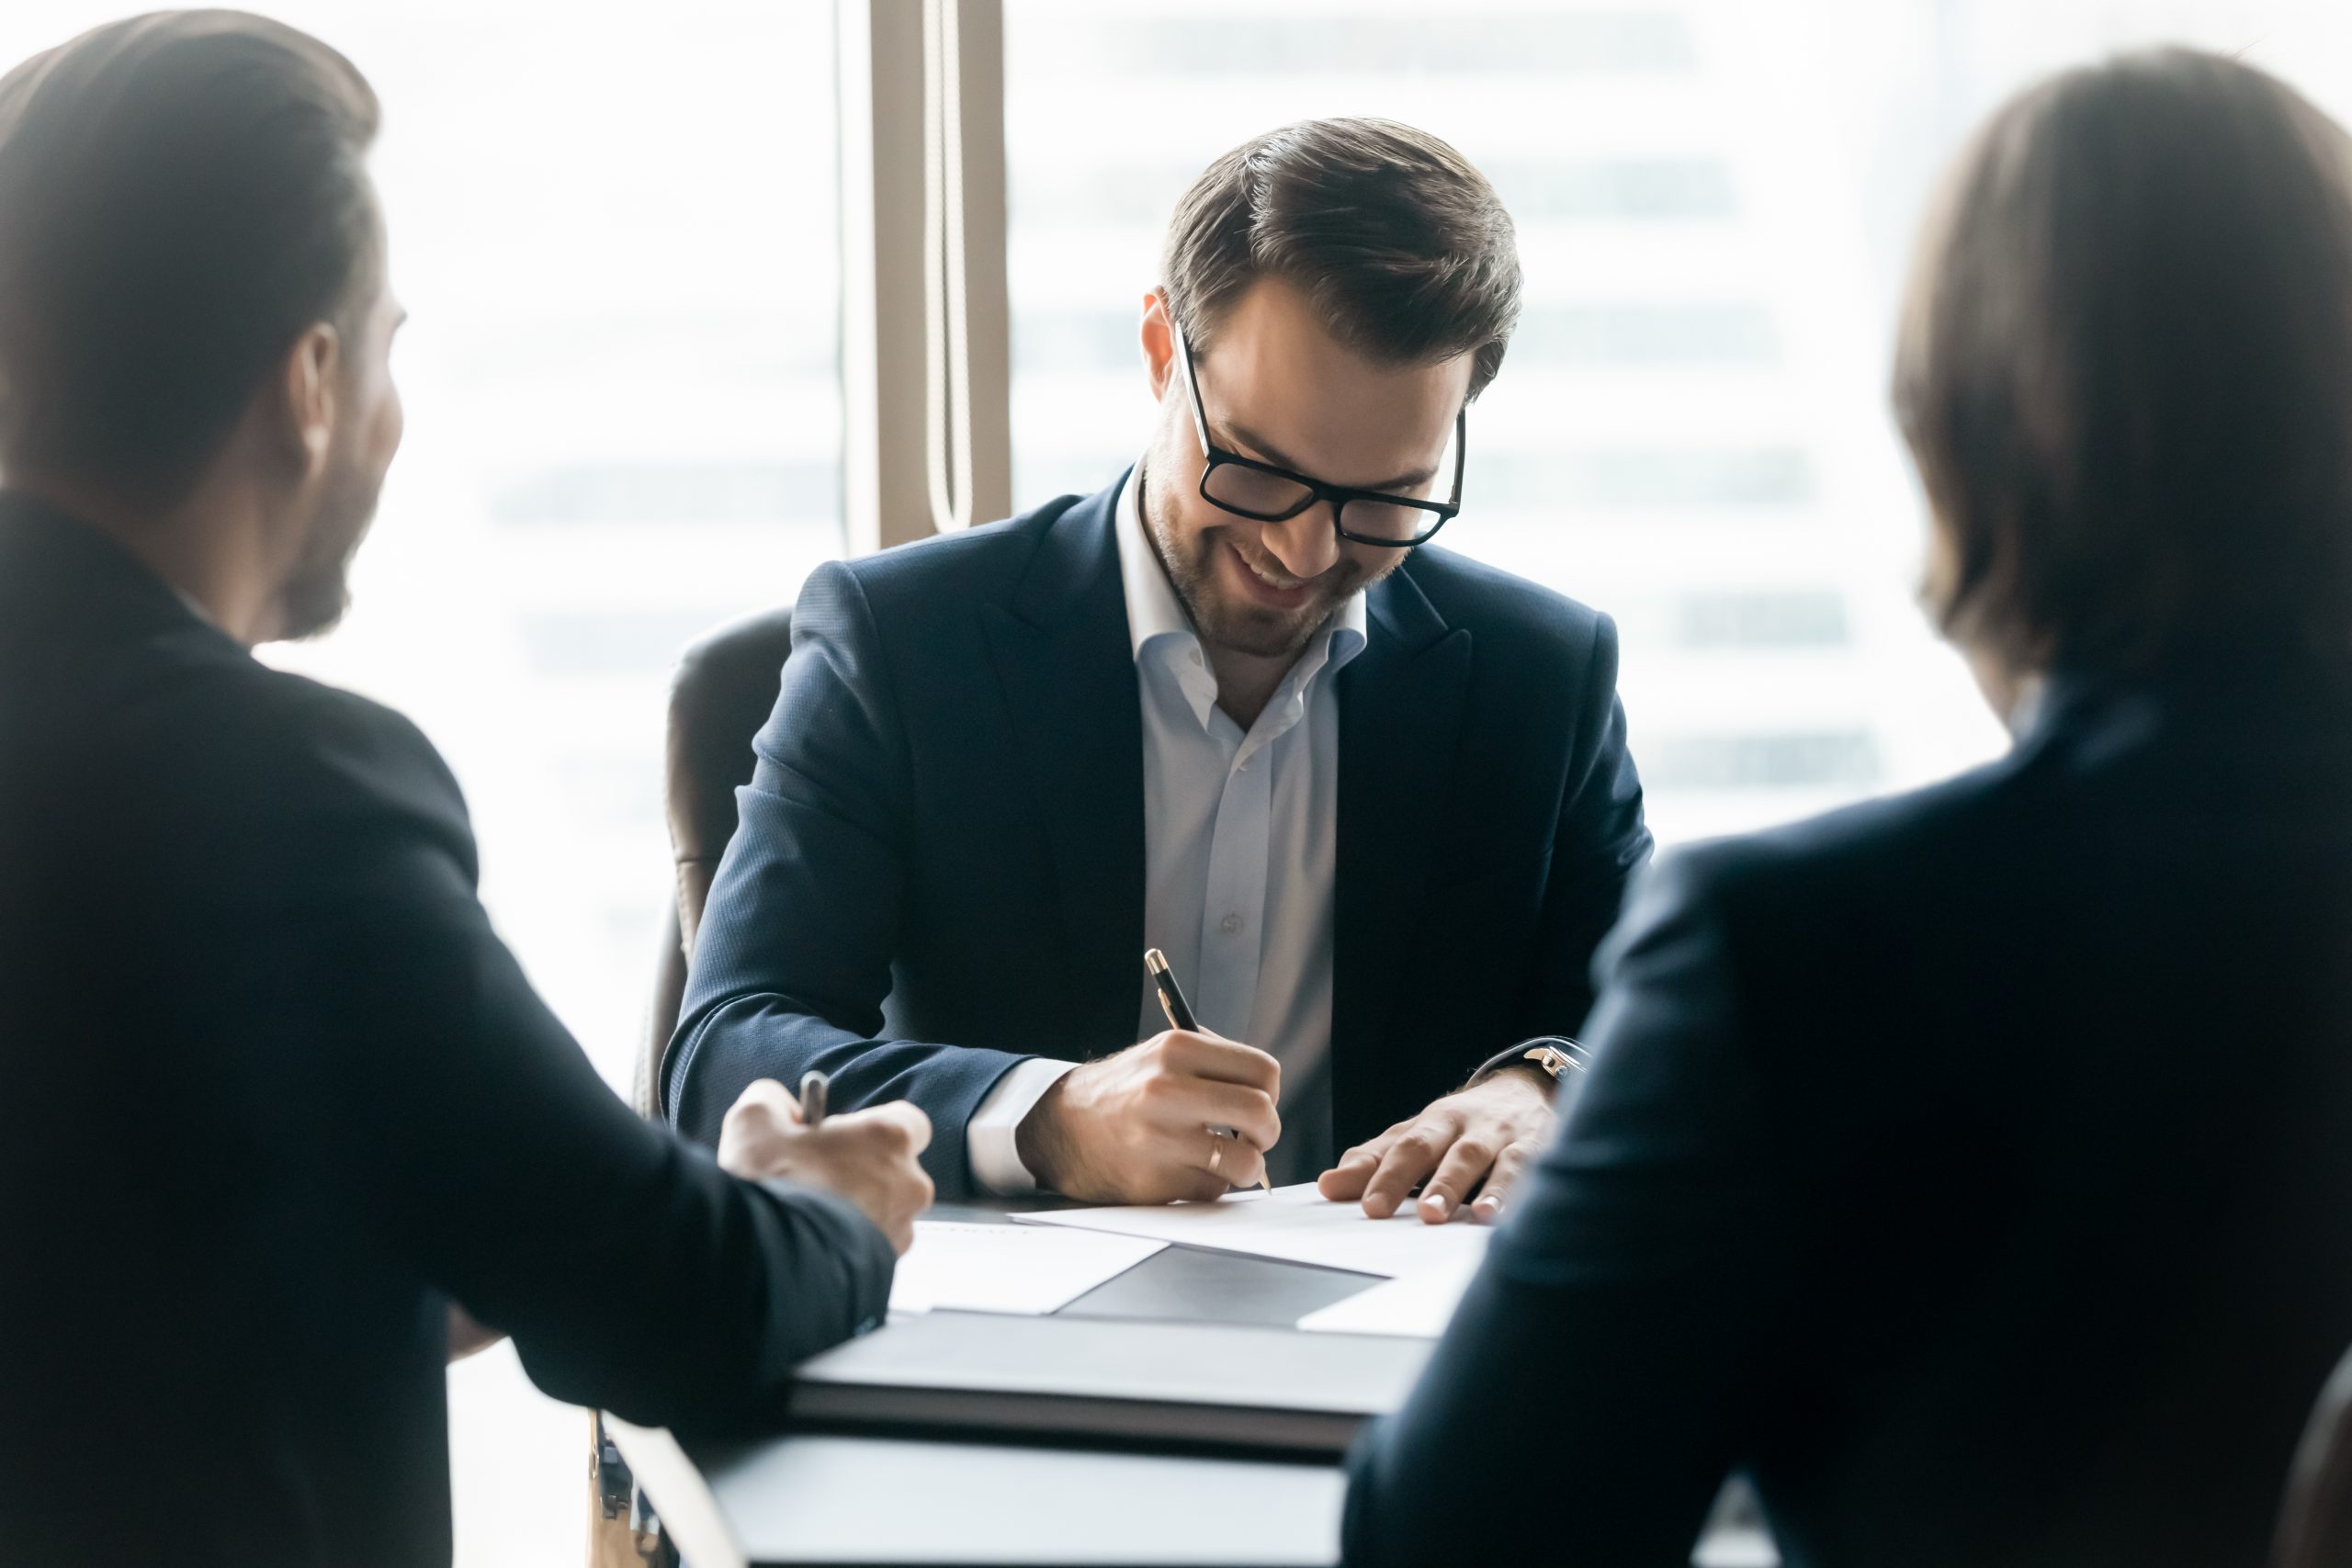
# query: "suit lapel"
1400,722
1063,659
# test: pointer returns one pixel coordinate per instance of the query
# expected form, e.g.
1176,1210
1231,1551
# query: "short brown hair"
2125,370
1403,247
182,195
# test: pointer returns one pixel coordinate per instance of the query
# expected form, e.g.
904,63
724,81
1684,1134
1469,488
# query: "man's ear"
1158,337
310,376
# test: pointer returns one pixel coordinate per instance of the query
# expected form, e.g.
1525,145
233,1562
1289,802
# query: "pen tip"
1155,961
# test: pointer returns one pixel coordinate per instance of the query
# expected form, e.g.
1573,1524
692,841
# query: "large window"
614,231
1715,204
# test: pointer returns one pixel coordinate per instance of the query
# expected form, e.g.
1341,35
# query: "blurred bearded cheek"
315,602
319,592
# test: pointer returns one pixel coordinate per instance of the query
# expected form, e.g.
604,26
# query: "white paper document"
1411,1306
1008,1269
1293,1223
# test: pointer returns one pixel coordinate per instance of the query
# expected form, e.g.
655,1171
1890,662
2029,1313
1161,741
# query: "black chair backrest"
2316,1524
724,690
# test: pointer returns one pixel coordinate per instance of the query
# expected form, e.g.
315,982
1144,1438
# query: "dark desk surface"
813,1499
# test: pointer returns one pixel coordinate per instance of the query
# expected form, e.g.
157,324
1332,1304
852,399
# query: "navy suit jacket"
277,1094
1974,1168
940,866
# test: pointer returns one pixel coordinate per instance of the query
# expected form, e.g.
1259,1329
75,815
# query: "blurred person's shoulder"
353,747
115,685
1863,877
272,748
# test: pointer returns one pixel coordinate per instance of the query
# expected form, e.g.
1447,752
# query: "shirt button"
1230,924
1196,658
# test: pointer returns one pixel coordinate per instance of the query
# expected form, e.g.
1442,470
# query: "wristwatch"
1555,1054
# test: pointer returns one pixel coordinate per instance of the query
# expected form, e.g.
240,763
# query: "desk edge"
690,1514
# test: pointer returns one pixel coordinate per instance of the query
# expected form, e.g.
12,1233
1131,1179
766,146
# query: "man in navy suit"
1374,800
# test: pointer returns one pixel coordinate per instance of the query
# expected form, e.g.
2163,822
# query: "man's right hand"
1134,1128
867,1156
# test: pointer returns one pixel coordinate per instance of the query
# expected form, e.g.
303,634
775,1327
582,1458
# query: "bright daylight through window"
615,226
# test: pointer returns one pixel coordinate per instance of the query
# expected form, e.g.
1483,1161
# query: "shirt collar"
193,606
1154,612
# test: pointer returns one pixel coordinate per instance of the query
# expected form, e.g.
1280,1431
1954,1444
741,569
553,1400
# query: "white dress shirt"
1240,839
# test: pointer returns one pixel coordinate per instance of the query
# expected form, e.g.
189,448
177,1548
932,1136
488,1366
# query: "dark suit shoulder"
1493,602
1846,901
287,755
1860,839
344,741
975,565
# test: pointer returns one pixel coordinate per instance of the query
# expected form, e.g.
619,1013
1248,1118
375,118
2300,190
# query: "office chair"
725,686
724,689
2316,1524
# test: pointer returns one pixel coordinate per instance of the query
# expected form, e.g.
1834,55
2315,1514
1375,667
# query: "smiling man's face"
1279,388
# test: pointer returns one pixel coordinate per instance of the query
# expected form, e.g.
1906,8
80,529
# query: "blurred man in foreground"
280,1100
1975,1168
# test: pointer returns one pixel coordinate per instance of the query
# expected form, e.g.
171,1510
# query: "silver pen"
814,1087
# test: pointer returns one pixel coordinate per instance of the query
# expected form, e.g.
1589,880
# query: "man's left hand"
1488,1131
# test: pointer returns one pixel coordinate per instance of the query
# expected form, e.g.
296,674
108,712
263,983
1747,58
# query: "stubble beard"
318,592
1192,567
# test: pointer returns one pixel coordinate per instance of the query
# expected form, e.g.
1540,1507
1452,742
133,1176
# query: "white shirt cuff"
988,1140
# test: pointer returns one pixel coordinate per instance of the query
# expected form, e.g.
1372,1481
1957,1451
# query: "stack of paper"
1008,1269
1412,1307
1294,1223
1426,1267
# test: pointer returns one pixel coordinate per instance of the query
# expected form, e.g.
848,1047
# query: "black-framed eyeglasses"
1264,493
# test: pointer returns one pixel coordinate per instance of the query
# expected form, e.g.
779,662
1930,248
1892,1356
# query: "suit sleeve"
485,1150
1595,1387
1599,843
793,962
